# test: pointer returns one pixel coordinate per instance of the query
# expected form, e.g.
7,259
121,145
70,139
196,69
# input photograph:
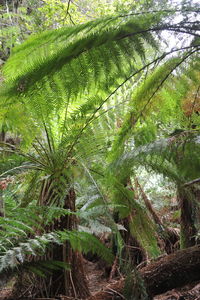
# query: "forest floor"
96,277
97,281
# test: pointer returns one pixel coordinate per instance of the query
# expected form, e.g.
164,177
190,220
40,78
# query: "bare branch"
68,14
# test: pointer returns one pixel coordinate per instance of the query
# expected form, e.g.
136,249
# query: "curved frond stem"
158,59
50,143
24,167
44,149
162,82
166,27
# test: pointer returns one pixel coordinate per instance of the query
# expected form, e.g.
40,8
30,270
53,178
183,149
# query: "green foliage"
70,87
85,242
140,225
85,42
9,163
134,288
16,248
160,87
175,157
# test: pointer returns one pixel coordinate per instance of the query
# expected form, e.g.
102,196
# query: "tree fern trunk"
168,237
187,198
148,204
71,282
133,252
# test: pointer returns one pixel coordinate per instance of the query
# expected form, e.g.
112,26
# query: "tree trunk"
187,199
168,236
71,282
148,204
166,273
133,251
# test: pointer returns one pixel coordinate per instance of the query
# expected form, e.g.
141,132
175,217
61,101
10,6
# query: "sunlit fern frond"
68,74
158,100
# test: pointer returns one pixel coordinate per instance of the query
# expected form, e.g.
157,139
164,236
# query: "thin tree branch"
68,13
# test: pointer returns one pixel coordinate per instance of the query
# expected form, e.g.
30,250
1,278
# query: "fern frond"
80,40
176,157
140,225
146,100
17,255
81,241
85,242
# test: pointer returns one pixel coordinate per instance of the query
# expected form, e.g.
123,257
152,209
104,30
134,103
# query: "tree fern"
65,82
108,34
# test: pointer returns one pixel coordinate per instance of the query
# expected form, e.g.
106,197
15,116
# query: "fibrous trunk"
168,237
187,198
71,282
168,272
